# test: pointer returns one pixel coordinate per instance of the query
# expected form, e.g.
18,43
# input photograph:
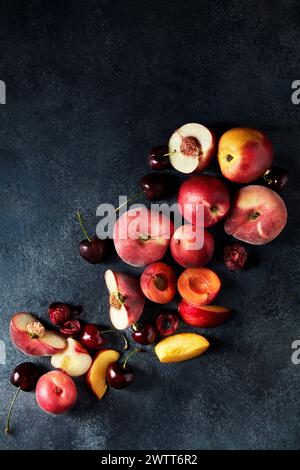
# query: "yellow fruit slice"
96,376
181,347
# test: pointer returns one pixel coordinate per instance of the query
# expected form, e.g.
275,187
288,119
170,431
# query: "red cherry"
156,186
24,377
159,158
118,377
167,323
275,178
144,333
93,249
91,337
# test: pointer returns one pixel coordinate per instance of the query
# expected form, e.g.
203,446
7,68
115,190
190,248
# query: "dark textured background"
91,86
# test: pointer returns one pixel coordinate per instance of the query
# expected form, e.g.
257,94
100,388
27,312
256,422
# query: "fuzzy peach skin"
205,316
50,343
183,243
142,236
258,215
125,297
158,283
207,191
244,154
56,392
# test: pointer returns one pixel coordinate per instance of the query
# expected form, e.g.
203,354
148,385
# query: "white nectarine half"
191,148
126,299
30,336
74,360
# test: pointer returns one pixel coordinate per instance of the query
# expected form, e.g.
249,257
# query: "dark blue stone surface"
91,86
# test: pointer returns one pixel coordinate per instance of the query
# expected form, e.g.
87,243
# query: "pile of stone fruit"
256,215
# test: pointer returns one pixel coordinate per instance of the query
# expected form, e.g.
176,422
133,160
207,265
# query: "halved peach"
199,286
205,316
30,336
158,283
181,347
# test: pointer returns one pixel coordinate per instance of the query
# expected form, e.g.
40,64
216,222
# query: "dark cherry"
158,158
144,333
167,323
92,337
156,186
276,178
118,376
24,377
93,249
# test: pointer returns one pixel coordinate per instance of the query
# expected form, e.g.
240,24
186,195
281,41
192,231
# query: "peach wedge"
96,376
181,347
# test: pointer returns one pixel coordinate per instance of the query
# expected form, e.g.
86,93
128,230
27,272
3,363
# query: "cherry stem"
79,217
169,154
7,428
129,355
133,198
117,333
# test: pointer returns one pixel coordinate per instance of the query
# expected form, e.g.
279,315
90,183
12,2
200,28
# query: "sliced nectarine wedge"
205,316
181,347
199,286
96,376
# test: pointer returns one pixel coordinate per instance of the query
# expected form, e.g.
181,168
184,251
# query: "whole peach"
184,249
244,154
207,191
258,215
142,236
56,392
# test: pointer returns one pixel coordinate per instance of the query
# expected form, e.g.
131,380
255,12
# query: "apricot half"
199,286
181,347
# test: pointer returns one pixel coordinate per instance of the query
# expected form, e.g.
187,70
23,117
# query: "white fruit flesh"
118,314
182,162
53,339
74,359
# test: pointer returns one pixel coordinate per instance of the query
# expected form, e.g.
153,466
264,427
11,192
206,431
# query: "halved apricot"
199,286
